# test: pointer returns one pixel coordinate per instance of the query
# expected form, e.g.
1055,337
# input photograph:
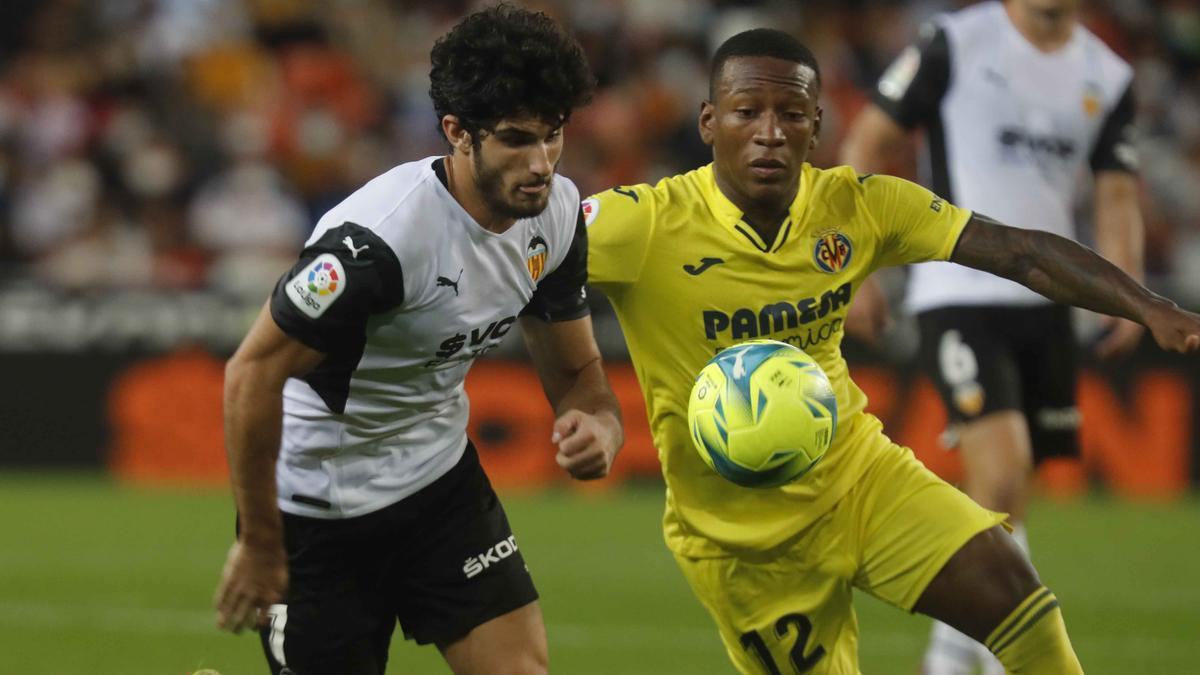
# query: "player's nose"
769,132
540,162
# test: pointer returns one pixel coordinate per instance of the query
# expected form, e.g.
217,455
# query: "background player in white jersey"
345,409
1016,99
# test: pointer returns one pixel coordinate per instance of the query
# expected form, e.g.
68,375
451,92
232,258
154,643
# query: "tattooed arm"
1070,274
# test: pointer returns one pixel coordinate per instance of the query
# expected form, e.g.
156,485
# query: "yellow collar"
730,216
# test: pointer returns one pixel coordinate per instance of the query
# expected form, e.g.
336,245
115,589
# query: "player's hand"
869,316
587,444
254,578
1120,337
1174,329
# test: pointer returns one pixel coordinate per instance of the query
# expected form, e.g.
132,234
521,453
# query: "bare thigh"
980,585
510,644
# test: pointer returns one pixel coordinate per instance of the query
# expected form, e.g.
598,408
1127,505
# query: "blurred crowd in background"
187,144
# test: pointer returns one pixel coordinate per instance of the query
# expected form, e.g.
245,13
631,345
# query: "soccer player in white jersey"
361,502
1016,100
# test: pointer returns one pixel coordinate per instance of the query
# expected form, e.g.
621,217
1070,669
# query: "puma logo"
445,281
350,245
705,263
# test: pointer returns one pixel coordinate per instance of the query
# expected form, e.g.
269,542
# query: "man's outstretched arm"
1071,274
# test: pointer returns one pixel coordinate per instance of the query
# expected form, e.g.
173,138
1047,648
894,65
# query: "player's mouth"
765,167
534,188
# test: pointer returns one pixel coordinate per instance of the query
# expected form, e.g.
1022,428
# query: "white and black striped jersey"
1010,131
402,290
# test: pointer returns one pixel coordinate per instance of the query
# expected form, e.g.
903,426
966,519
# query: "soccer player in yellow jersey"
761,244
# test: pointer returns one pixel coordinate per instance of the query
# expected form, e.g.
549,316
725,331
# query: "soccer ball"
762,413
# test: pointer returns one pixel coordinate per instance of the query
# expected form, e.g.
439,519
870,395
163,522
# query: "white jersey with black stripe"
1010,130
402,290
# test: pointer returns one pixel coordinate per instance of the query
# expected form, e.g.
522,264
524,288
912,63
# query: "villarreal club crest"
832,252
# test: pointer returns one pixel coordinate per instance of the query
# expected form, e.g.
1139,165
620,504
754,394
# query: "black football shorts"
985,359
440,562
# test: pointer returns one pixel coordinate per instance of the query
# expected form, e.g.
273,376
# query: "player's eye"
744,112
795,116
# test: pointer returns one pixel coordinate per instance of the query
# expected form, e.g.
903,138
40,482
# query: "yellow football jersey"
688,278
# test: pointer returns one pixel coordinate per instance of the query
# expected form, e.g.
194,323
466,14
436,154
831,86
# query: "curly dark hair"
504,61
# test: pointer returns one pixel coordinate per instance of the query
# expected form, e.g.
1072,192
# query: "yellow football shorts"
789,610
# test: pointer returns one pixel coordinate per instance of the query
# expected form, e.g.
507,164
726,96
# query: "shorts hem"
947,552
451,635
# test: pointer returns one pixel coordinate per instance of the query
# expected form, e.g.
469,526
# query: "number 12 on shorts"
756,645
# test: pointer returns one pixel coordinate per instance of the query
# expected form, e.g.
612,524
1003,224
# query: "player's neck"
767,226
764,218
1047,33
462,186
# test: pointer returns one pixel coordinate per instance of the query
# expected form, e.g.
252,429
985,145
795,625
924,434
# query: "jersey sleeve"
911,89
561,295
914,224
1115,149
346,275
620,222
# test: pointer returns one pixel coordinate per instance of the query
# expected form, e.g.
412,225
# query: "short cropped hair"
761,42
503,62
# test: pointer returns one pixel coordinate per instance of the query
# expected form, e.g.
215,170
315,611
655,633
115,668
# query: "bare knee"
1002,489
998,459
980,585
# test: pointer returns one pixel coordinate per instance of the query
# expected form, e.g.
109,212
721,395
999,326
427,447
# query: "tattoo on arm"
1054,266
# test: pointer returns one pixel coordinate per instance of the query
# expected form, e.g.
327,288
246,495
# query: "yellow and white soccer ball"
762,413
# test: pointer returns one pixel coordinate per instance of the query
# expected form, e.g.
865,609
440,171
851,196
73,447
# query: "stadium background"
161,162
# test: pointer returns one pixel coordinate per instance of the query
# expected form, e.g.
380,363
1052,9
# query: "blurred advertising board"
133,383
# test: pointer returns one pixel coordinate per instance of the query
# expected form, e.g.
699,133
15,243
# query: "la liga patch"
591,209
318,285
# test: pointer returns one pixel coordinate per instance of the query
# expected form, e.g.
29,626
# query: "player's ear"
707,112
816,137
456,135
